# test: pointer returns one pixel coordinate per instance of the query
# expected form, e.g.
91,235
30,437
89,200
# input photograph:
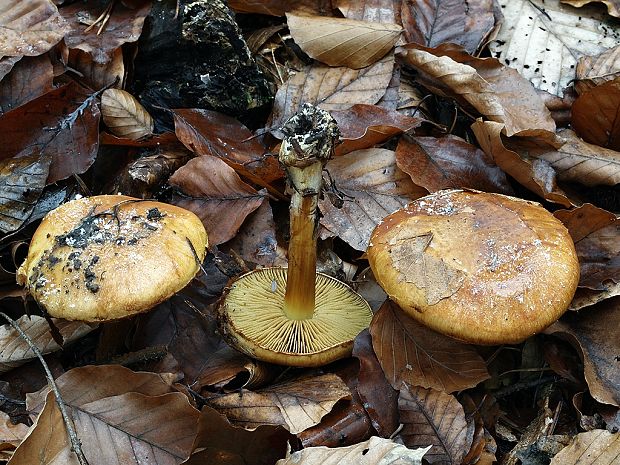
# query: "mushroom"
296,316
483,268
110,256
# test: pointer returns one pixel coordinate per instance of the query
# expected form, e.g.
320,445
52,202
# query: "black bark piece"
199,60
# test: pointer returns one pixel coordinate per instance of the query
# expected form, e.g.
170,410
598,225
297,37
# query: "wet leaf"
375,451
449,162
363,126
597,447
537,176
597,335
297,404
595,115
210,133
434,417
66,129
332,88
98,76
613,6
124,26
341,41
411,353
29,27
22,180
433,22
544,40
213,191
14,351
494,90
218,442
30,78
595,70
373,187
380,400
124,115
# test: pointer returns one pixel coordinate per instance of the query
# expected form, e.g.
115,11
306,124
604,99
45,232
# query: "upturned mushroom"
108,257
296,316
483,268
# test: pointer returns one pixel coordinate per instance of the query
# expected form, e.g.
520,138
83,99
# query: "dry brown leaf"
434,417
449,162
124,115
595,115
544,39
613,6
332,88
586,297
29,27
213,191
597,334
11,434
373,187
98,76
433,22
593,71
30,78
341,41
363,126
411,353
375,451
496,91
280,7
14,351
537,175
296,405
377,11
597,447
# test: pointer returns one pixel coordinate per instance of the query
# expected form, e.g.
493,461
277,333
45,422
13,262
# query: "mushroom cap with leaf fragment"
252,320
483,268
111,256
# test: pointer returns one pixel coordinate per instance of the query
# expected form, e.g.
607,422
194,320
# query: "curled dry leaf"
434,22
595,115
341,41
30,27
597,334
371,187
613,6
537,175
211,189
363,126
375,451
449,162
597,447
593,71
30,78
332,88
434,417
14,351
544,40
411,353
296,405
124,115
496,91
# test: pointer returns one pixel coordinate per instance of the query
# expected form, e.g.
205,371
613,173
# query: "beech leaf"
411,353
613,6
378,11
596,447
30,78
595,70
343,42
124,115
373,187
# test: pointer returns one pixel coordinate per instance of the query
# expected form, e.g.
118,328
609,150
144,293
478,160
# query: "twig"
76,445
527,384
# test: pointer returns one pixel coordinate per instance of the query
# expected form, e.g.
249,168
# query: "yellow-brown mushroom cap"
252,320
111,256
483,268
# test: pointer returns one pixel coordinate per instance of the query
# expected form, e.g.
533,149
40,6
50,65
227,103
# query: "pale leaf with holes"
124,115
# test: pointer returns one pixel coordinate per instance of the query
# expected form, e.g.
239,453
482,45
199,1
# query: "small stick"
76,445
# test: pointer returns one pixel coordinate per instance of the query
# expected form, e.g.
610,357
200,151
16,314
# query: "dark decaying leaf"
62,124
434,417
371,187
213,191
207,132
449,162
380,400
433,22
124,26
21,182
30,78
411,353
